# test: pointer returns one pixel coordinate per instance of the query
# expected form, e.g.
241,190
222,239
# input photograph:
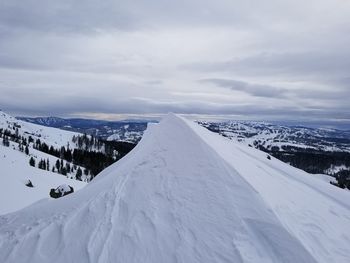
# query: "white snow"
113,137
270,135
14,173
324,177
185,194
52,136
333,169
63,188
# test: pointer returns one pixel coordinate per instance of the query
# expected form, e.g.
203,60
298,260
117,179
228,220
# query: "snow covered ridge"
185,194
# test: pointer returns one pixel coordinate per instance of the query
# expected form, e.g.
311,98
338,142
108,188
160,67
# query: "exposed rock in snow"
29,183
61,191
185,194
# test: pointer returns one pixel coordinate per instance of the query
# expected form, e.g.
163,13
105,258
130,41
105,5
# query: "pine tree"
5,141
62,152
64,171
26,150
58,165
32,161
67,167
79,174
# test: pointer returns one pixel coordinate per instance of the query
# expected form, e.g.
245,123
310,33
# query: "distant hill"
126,130
315,150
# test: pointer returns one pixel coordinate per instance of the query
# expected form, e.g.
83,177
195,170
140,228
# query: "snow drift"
186,195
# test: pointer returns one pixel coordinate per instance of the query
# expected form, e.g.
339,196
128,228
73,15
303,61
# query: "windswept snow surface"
185,194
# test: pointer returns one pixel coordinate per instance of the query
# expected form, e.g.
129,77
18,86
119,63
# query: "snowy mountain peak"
185,194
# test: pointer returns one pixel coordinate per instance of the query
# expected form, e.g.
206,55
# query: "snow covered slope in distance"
52,136
282,138
15,171
185,194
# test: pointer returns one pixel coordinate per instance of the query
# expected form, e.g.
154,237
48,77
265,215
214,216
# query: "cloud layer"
254,59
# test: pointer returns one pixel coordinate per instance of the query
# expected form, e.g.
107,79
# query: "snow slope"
15,171
185,194
52,136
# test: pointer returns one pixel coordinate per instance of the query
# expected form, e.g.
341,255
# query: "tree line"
316,162
91,153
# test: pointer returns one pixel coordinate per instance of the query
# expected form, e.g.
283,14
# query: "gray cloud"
90,16
257,90
324,66
273,60
267,91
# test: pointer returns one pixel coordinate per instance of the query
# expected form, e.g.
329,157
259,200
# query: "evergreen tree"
67,167
62,152
40,164
79,174
68,155
43,164
37,144
58,165
5,141
32,161
26,150
64,171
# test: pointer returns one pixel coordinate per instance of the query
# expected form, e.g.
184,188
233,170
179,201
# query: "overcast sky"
272,59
